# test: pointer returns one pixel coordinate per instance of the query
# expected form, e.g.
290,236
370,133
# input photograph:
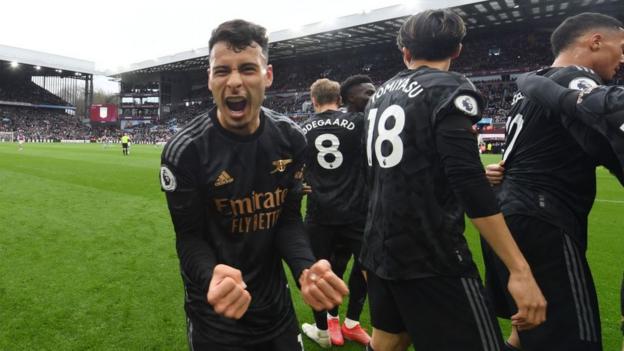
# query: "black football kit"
546,196
594,117
598,109
336,207
424,174
334,168
235,200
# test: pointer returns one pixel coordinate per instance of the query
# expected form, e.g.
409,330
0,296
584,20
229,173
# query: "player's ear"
268,76
407,56
208,71
595,41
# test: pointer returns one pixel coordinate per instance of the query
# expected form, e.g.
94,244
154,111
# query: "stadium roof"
50,63
380,27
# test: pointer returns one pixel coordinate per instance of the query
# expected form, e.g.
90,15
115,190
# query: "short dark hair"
432,34
575,26
352,81
325,91
239,34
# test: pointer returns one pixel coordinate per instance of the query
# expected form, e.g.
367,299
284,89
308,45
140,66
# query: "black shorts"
562,273
124,145
289,340
438,313
332,241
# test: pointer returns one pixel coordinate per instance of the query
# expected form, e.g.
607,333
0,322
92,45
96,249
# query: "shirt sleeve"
293,244
457,146
596,121
179,182
544,91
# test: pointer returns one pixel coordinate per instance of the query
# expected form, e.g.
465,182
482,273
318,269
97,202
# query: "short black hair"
352,81
575,26
432,34
239,34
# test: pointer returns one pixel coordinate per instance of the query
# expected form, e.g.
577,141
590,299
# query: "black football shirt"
334,167
236,200
547,173
415,220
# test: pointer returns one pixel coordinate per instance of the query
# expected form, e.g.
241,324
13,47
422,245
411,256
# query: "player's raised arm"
594,117
457,145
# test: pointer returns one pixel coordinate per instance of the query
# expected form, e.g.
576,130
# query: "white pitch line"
611,201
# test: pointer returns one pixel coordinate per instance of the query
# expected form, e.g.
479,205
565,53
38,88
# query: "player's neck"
442,65
570,58
323,108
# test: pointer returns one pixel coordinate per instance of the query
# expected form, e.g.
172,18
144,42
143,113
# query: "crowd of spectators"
498,95
489,62
37,124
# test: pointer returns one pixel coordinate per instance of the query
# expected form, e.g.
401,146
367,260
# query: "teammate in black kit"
355,91
336,207
549,187
424,174
232,179
593,116
593,110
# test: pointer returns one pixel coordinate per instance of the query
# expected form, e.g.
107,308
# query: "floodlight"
14,64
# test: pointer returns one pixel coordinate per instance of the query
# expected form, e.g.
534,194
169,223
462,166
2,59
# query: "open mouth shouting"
236,105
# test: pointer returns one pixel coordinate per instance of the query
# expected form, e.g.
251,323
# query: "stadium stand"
40,125
160,97
27,91
42,96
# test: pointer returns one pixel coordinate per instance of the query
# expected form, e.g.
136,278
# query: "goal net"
6,137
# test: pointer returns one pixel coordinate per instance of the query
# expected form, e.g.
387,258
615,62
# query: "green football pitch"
88,262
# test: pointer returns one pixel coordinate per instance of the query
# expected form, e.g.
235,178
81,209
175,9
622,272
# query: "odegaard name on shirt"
338,122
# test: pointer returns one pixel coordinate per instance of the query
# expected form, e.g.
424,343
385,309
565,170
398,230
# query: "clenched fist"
321,288
227,293
495,172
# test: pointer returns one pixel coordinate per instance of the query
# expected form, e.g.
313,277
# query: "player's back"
547,174
334,167
415,224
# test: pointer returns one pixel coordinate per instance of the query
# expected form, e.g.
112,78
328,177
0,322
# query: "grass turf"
87,257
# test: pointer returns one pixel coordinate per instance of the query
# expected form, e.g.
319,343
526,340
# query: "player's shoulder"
184,138
355,117
448,85
574,77
282,122
452,93
434,78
